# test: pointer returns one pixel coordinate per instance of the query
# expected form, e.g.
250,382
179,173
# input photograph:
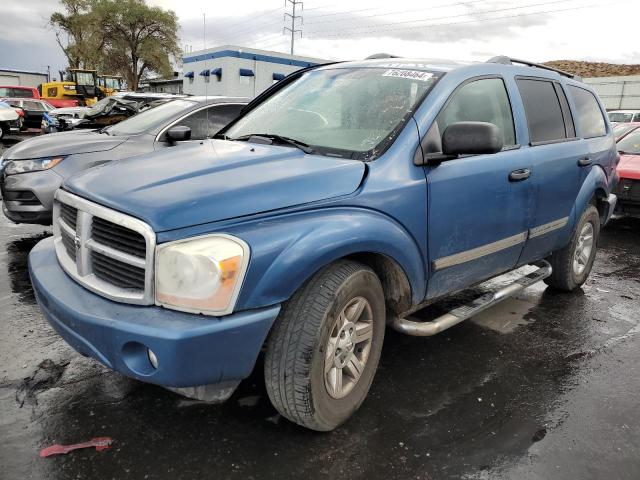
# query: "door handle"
584,162
519,175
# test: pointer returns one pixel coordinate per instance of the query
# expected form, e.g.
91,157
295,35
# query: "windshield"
150,119
99,106
15,92
620,117
622,128
630,143
84,78
350,111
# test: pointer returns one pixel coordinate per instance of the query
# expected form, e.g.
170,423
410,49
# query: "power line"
479,20
446,17
449,5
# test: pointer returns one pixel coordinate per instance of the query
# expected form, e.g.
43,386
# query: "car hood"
64,143
629,166
69,111
215,180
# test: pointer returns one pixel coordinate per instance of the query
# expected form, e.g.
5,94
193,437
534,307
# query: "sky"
536,30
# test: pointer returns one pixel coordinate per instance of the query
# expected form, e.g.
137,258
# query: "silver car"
31,171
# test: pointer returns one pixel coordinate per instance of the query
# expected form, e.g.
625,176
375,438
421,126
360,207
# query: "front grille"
22,197
118,237
628,189
106,251
117,272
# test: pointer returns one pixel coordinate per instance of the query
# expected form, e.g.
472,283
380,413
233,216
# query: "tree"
78,34
118,36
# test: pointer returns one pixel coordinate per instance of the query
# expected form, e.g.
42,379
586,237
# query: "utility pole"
293,17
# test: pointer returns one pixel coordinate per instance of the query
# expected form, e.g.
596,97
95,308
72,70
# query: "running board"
464,312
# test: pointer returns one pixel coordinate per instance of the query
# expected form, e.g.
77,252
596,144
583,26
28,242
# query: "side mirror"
471,138
178,133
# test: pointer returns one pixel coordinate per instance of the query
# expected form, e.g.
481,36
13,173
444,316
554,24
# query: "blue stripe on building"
248,56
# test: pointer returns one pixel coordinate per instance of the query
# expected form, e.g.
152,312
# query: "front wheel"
572,265
324,350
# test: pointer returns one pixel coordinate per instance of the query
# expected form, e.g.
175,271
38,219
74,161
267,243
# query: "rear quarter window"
590,118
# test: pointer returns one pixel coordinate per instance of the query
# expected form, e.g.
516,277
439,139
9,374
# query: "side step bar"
464,312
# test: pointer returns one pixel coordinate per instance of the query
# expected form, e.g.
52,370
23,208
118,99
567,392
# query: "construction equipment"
110,84
76,87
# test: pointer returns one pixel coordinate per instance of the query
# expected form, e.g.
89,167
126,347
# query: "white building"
23,78
617,93
236,71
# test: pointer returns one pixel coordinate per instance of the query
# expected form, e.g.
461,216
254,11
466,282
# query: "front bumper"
191,349
28,197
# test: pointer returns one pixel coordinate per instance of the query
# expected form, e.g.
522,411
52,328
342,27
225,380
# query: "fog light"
152,358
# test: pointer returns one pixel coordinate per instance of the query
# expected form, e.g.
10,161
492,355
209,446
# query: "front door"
478,206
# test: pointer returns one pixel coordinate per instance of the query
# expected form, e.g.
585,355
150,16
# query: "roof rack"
381,55
510,61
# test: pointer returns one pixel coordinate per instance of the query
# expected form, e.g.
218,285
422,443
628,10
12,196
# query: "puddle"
506,316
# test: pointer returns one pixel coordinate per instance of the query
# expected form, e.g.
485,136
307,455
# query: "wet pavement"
545,386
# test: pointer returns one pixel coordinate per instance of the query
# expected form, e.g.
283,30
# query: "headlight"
22,166
202,274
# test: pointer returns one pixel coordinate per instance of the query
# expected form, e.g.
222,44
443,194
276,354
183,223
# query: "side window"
221,115
483,100
208,121
197,122
589,114
544,113
636,117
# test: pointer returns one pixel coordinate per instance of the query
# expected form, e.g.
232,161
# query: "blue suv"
342,200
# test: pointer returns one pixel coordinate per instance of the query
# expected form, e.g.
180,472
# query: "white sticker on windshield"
411,74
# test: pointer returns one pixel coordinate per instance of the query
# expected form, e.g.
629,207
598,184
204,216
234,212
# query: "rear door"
477,213
556,154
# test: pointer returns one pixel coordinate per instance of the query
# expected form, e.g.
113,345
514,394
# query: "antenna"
206,78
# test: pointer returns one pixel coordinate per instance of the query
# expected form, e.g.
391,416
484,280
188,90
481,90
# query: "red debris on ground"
100,443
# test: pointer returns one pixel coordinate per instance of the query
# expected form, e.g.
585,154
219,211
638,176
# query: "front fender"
596,180
287,250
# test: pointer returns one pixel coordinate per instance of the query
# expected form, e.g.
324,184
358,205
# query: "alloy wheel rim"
583,250
347,350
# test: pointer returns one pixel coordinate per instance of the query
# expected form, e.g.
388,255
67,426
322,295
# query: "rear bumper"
191,349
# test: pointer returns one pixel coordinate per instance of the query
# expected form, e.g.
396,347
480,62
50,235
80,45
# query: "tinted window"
620,117
483,100
636,117
589,114
206,122
543,111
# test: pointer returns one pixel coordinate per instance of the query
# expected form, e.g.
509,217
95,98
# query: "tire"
3,130
301,373
567,276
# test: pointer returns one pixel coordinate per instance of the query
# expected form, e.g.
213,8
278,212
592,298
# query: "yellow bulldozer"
76,87
110,84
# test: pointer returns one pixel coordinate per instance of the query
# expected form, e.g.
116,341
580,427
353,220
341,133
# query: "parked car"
342,199
624,116
9,120
628,189
33,111
19,92
622,129
108,111
33,169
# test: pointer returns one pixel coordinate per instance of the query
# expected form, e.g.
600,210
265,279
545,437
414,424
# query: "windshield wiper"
277,138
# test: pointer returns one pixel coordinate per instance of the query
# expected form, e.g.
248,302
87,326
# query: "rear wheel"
4,130
572,264
324,350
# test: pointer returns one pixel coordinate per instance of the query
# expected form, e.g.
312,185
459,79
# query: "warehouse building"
22,78
617,93
237,71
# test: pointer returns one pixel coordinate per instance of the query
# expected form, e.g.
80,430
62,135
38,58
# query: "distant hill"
594,69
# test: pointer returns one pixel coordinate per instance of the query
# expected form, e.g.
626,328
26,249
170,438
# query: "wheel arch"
594,190
308,242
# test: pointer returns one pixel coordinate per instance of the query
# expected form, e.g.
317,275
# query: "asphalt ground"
544,386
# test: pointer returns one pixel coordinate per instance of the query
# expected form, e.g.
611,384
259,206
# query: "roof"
437,65
165,80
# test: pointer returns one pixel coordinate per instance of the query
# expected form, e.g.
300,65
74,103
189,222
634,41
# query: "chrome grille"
108,252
